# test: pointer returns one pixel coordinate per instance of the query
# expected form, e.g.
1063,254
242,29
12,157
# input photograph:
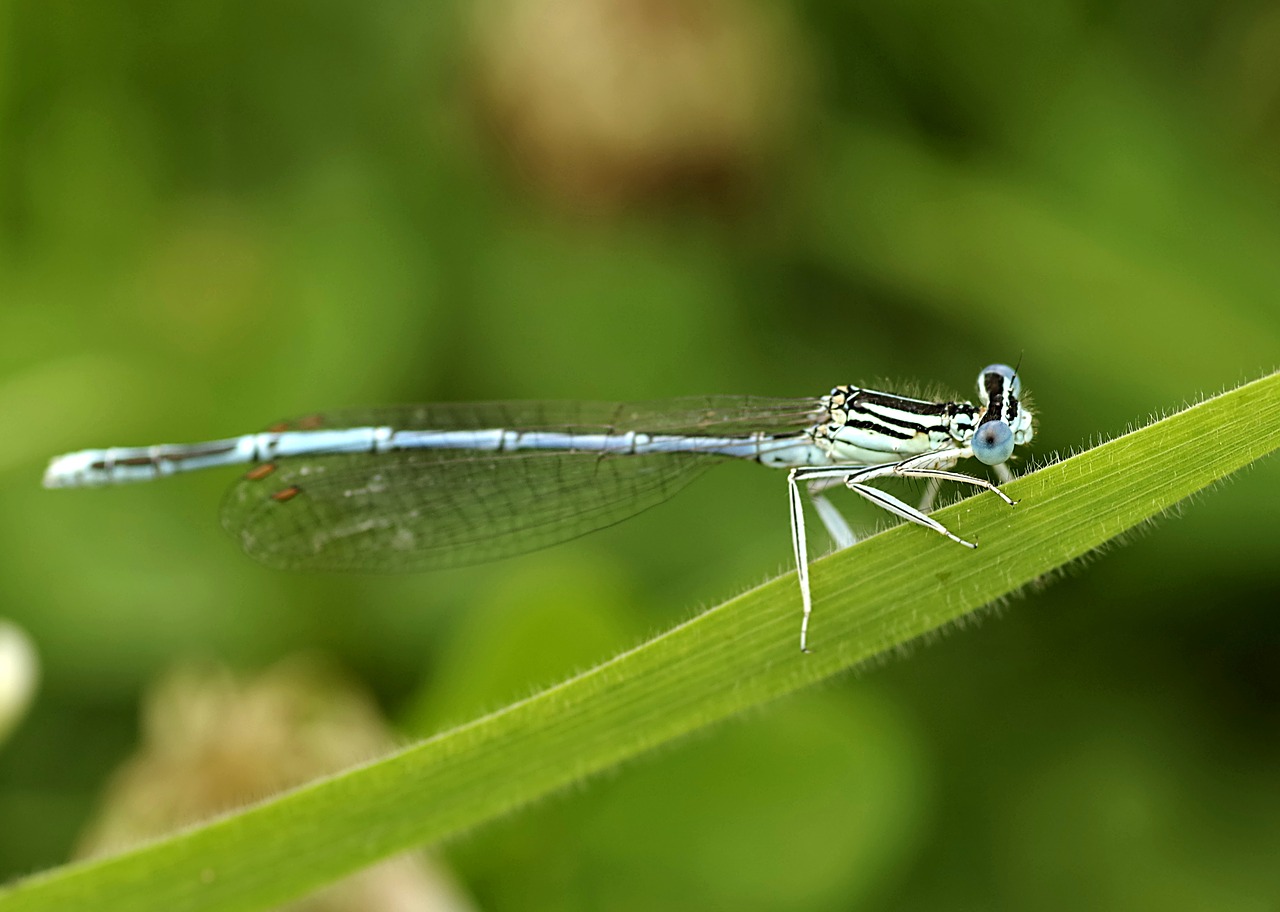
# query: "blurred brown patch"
603,104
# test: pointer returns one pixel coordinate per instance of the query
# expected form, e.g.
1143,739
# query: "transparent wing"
711,415
427,509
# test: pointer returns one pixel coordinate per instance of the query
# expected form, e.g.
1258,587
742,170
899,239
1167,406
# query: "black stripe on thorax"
880,427
914,427
901,403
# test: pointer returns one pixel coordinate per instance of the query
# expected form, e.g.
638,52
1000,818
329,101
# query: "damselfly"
420,487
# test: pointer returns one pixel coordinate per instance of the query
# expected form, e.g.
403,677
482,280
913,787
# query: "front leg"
934,466
925,466
888,502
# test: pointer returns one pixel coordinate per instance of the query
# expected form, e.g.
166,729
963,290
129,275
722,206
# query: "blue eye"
993,442
1005,371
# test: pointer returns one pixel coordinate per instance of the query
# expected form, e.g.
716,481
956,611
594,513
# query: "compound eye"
993,442
1004,371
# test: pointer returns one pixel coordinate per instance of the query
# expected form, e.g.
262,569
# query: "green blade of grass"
884,592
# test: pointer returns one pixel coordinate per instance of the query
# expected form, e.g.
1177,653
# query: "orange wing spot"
286,494
305,423
259,472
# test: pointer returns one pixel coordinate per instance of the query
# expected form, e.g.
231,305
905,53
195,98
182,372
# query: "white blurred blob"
19,672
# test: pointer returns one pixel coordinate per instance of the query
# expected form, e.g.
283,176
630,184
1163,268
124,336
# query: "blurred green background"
214,216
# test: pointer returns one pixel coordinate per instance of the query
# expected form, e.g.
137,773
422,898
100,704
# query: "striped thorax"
867,426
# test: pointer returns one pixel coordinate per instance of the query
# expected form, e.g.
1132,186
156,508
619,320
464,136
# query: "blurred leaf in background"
214,217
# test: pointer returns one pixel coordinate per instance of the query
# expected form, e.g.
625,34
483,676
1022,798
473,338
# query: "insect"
429,486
